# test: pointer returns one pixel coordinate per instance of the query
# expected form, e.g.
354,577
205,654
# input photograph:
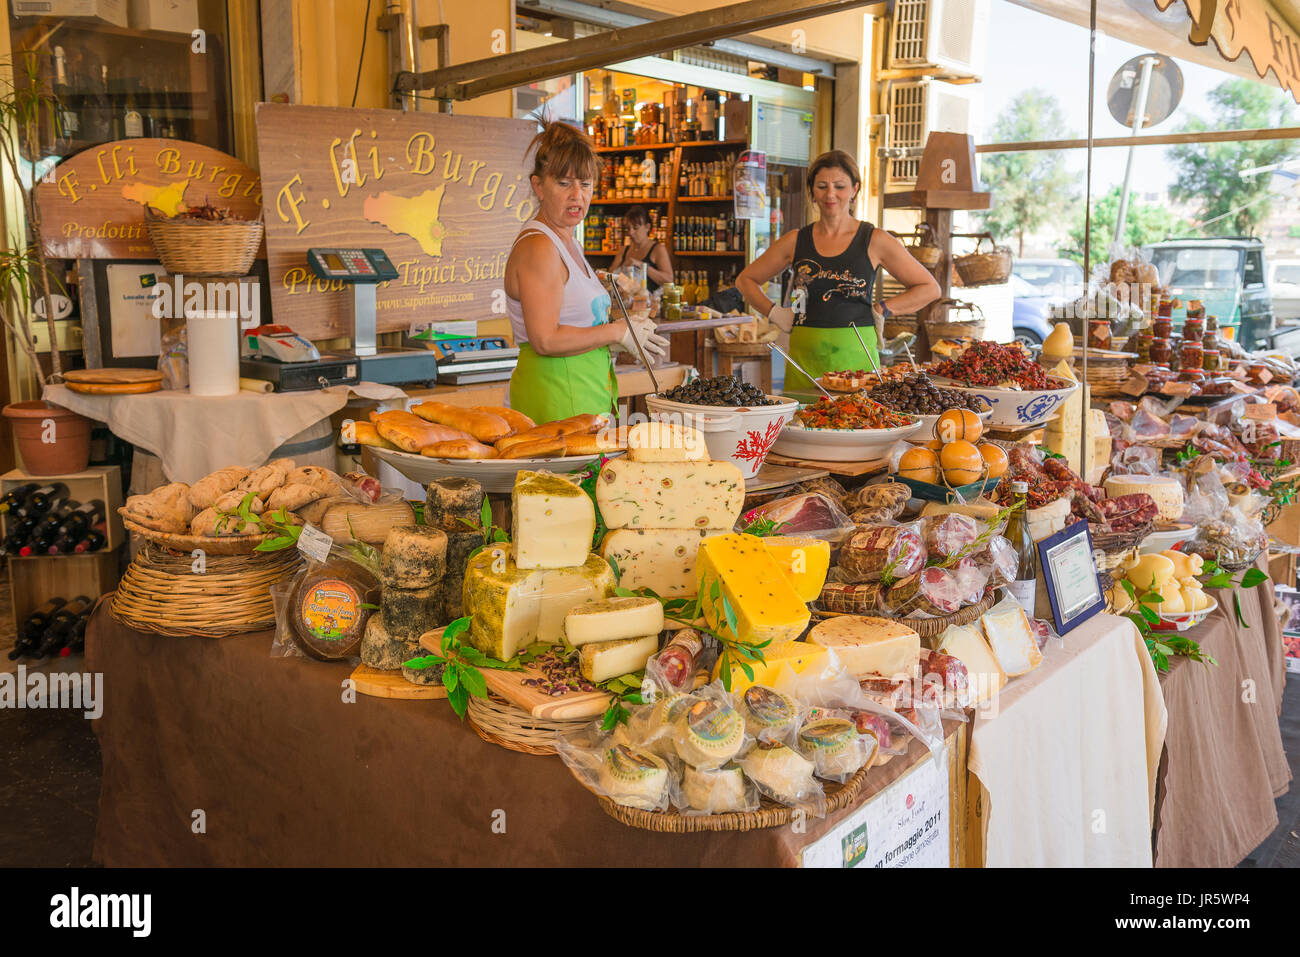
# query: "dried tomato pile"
992,363
850,412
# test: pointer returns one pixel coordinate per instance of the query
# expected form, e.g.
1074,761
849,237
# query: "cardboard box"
110,11
168,16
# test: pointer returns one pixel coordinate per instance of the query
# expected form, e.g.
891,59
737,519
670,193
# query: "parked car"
1030,312
1284,283
1227,274
1050,277
1041,286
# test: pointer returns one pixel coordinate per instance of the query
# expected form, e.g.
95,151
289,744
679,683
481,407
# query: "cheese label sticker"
767,706
330,610
827,734
314,543
626,761
711,721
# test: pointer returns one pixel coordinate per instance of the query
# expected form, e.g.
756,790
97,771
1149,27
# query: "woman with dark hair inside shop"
558,308
835,261
642,247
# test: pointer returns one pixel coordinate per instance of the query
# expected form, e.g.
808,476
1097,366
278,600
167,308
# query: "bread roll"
231,501
263,481
459,449
606,440
575,425
410,433
484,426
536,449
207,490
517,421
293,496
363,433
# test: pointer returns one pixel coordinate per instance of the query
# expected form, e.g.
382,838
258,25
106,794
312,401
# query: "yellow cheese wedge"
871,646
767,607
803,561
799,656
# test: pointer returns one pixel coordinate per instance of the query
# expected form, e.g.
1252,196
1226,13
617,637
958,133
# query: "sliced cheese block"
985,676
799,656
670,494
666,442
709,734
613,619
871,646
633,777
803,561
552,521
1167,492
511,607
414,556
661,559
610,659
1010,637
1096,454
767,607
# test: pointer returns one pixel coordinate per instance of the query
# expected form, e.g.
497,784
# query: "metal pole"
1144,90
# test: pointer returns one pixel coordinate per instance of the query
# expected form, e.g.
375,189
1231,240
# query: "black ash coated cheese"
408,613
414,556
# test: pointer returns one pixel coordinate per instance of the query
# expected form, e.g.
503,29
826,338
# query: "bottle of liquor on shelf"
67,117
13,499
33,628
709,115
63,625
46,532
77,641
94,539
42,499
720,234
1025,586
19,532
80,519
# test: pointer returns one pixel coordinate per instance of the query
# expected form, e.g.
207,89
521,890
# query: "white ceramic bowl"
741,435
495,475
1018,408
841,445
1183,620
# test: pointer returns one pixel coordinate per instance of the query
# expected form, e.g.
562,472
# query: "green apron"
547,388
827,350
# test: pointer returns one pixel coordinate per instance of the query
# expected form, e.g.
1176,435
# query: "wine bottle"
46,532
15,497
79,520
1025,587
34,625
43,498
95,539
19,533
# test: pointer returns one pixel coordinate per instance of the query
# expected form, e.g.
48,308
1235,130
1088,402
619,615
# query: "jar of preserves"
1195,309
671,306
1166,309
1162,328
1162,350
1193,328
1210,360
1192,354
1099,333
1141,344
1212,324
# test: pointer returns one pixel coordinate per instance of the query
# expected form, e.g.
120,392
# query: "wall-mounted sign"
444,196
92,205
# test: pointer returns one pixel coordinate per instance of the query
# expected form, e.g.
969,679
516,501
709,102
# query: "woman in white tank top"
558,309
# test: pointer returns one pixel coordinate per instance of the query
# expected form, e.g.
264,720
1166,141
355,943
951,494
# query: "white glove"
782,317
653,343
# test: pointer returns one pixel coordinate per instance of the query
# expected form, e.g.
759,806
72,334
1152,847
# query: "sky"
1028,49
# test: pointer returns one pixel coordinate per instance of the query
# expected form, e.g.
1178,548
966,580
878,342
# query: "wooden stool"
731,354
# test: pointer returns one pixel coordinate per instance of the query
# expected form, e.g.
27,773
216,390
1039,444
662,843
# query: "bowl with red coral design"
743,435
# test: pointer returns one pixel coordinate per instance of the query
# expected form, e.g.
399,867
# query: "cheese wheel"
1167,492
834,746
603,660
381,651
414,556
715,791
709,734
665,442
451,503
459,546
408,613
634,777
782,774
769,715
327,611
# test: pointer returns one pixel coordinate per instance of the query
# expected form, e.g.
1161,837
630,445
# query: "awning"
1268,31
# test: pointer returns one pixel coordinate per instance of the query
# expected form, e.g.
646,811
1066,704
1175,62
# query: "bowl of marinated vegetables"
847,428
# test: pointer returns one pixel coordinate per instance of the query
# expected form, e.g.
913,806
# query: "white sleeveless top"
585,302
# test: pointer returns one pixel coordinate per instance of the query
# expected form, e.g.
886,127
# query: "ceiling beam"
480,77
1157,139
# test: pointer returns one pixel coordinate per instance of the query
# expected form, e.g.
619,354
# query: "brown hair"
636,216
835,159
563,150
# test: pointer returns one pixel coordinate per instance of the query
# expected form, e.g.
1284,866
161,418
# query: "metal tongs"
775,348
631,327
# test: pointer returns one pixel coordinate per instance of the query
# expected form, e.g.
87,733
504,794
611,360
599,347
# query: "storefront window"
161,71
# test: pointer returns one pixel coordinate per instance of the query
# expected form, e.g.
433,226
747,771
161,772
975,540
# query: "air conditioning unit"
946,36
918,108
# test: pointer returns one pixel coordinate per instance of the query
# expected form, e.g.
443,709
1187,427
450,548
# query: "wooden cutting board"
120,388
391,684
851,469
510,685
113,376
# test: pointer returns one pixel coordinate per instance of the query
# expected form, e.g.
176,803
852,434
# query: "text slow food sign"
92,205
443,196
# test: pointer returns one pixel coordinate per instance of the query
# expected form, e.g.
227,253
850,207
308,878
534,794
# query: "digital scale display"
351,265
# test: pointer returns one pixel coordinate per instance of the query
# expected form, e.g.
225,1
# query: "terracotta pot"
51,440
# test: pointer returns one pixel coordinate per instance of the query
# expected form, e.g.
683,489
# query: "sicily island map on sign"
413,216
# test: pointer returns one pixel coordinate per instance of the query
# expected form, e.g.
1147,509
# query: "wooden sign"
444,196
948,163
92,205
1251,27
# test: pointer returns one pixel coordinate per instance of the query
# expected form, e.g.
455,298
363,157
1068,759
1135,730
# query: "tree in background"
1032,188
1145,223
1207,174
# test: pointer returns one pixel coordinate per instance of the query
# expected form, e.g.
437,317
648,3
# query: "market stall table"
1063,773
1225,762
288,771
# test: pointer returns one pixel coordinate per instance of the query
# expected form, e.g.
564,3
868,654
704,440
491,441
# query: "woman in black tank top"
834,261
643,249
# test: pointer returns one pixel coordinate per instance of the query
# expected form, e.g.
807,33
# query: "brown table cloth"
1224,761
287,773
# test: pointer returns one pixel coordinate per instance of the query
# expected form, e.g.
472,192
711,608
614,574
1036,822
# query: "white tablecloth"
1069,761
196,435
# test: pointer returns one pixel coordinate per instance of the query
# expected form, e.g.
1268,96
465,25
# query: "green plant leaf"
474,682
371,606
1252,578
425,661
724,664
732,623
1236,608
457,627
451,677
485,514
1221,580
613,566
1149,615
1129,587
458,699
747,669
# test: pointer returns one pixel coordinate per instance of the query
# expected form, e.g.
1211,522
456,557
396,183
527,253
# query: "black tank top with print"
837,289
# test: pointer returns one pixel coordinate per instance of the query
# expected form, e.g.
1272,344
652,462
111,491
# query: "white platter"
495,475
840,445
1163,538
1183,620
1017,408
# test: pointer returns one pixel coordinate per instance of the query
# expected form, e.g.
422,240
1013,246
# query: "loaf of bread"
575,425
593,443
165,509
204,493
517,421
363,433
483,426
294,496
459,449
263,481
410,433
535,449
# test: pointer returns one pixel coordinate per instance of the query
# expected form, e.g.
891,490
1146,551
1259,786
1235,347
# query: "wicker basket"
932,627
499,722
984,268
925,250
201,248
957,328
162,594
222,545
900,325
769,813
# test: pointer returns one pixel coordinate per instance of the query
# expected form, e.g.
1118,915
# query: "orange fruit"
995,457
961,463
921,465
958,424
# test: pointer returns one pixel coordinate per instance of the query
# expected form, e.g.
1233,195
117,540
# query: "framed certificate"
1070,576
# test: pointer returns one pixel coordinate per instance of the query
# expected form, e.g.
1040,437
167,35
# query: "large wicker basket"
923,248
193,247
499,722
954,328
987,267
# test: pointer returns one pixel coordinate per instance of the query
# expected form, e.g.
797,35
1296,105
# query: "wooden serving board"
391,684
113,376
851,469
122,388
510,685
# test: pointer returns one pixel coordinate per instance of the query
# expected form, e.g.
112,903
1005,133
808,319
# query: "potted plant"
51,440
